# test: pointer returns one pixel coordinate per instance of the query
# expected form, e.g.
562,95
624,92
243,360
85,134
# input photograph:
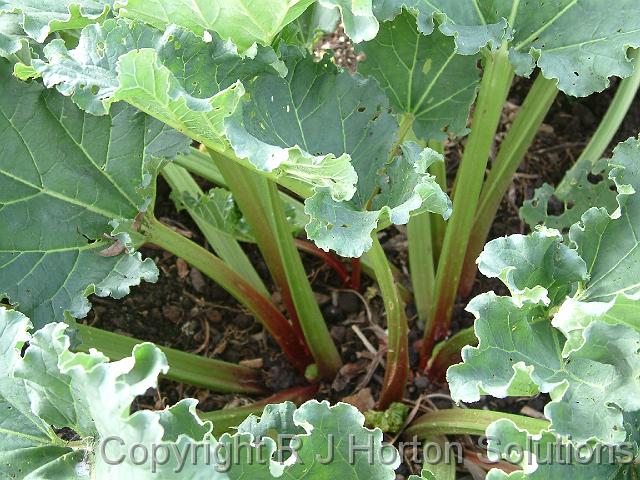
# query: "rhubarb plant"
102,98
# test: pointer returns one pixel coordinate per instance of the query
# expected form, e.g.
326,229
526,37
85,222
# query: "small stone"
338,333
421,383
253,363
197,280
243,321
173,313
349,302
182,268
362,400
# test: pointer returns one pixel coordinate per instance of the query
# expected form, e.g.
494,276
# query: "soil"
187,311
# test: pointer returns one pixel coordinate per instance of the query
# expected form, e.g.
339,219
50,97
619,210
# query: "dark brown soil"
183,306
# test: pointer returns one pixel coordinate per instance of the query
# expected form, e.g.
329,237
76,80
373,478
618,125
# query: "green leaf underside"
423,77
553,459
301,125
189,84
38,18
404,188
589,362
520,354
218,209
12,36
26,442
582,59
177,76
244,22
65,176
535,266
92,397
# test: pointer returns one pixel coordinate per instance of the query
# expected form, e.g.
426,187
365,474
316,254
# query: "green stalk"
447,353
260,202
438,224
607,129
200,164
367,268
222,243
494,89
512,151
397,371
316,333
421,263
260,306
467,421
445,469
297,186
421,250
185,367
224,420
251,193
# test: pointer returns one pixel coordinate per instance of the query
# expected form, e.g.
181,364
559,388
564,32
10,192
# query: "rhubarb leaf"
612,293
176,76
187,83
404,187
65,175
365,183
610,243
29,447
574,317
218,209
583,192
534,267
12,36
279,126
326,430
544,35
92,397
244,22
520,354
38,18
553,459
423,77
473,28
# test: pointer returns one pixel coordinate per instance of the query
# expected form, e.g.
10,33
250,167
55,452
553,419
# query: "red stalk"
329,258
261,307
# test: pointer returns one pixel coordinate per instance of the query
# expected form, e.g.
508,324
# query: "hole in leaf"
594,179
